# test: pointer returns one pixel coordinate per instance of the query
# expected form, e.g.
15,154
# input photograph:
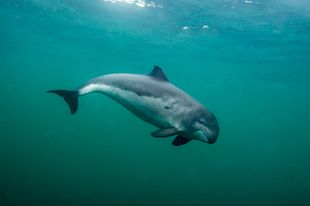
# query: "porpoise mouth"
211,140
210,135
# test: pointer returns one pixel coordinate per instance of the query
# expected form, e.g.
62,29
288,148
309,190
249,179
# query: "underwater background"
246,61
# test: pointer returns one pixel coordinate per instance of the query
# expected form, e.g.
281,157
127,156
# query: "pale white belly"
161,112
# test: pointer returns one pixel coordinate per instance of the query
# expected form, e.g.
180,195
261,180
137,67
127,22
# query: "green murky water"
247,61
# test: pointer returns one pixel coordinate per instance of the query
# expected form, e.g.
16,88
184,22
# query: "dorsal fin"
158,73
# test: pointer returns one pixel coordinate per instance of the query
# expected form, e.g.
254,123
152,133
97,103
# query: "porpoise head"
202,125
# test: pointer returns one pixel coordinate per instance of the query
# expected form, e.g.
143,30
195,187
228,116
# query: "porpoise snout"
211,140
213,133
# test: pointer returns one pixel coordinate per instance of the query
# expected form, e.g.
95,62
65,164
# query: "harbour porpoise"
155,100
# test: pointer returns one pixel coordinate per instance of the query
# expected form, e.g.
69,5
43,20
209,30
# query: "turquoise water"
247,61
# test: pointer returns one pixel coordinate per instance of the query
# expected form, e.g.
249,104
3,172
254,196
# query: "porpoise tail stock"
155,100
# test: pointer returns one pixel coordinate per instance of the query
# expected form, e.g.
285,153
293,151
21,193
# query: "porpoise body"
155,100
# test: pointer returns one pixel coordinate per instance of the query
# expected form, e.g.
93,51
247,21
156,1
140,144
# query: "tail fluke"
70,96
